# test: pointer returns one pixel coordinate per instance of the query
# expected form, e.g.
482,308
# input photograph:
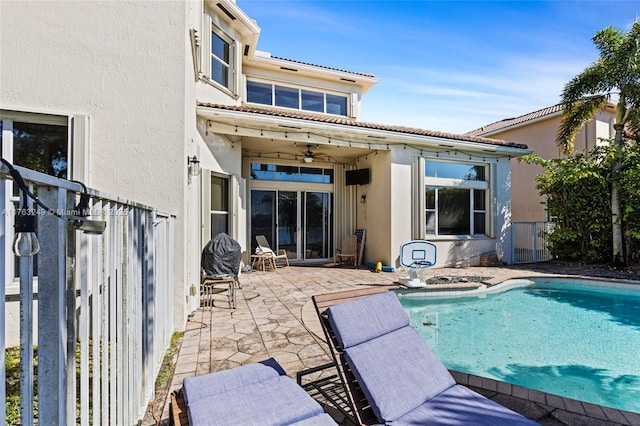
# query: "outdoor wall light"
193,165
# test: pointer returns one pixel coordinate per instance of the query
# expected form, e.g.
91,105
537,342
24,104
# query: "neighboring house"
124,93
538,131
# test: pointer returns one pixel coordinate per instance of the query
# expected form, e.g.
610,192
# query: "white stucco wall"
451,251
123,64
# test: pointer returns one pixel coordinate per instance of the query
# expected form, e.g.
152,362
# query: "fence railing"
104,305
529,242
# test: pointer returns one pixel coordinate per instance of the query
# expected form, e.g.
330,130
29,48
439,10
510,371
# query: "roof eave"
363,81
241,22
522,124
374,136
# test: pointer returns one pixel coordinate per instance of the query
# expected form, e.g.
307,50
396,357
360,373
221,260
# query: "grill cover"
221,256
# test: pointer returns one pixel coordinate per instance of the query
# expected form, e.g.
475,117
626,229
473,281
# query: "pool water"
575,340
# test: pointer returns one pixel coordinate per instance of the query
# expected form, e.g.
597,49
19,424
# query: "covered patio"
275,318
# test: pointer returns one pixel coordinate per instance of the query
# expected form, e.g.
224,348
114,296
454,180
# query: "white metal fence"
104,308
529,242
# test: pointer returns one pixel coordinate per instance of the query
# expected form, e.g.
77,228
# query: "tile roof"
347,121
512,122
324,67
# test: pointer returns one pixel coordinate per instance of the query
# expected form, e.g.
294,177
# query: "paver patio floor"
275,318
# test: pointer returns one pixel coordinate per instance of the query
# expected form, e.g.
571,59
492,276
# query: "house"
171,104
538,131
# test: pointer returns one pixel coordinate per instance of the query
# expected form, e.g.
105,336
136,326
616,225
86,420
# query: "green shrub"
578,194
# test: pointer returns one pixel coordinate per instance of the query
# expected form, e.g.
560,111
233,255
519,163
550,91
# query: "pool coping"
539,405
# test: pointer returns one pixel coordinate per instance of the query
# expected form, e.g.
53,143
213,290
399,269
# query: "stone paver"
275,318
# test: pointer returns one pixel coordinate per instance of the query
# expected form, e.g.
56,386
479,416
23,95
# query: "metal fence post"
26,338
52,321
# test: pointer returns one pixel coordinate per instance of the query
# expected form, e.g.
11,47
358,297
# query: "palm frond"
576,114
633,124
587,83
607,41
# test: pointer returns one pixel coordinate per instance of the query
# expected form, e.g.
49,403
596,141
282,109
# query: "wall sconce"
363,198
193,165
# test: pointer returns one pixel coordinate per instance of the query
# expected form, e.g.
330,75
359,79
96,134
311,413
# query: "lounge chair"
278,256
391,375
254,394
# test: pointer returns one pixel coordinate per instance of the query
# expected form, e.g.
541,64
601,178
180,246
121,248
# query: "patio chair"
348,252
391,374
278,256
254,394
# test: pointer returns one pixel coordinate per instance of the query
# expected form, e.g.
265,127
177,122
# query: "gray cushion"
364,319
459,406
208,385
319,420
275,401
398,372
403,380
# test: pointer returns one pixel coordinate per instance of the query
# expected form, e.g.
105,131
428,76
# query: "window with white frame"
219,205
39,142
222,53
296,98
456,199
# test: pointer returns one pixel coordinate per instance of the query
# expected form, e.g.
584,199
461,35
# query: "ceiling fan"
309,155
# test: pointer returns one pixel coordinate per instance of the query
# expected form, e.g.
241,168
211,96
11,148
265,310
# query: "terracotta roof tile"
512,122
347,121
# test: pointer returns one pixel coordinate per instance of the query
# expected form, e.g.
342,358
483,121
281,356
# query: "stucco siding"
123,65
540,137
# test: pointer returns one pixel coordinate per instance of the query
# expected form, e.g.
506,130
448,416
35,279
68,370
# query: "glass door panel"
288,214
299,222
263,216
318,230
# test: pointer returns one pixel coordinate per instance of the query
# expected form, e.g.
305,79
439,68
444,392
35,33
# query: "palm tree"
616,73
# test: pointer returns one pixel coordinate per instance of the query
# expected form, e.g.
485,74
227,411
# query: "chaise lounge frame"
358,403
362,408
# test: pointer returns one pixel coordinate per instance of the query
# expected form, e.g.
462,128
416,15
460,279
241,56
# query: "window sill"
457,237
219,86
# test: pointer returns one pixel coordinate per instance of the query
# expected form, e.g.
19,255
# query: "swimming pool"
575,338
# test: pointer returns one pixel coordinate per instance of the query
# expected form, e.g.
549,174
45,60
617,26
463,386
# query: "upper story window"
221,59
296,98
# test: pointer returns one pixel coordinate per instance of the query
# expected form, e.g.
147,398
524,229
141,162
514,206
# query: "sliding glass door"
299,222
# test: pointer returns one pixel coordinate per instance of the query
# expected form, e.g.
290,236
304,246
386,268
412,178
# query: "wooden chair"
279,255
349,251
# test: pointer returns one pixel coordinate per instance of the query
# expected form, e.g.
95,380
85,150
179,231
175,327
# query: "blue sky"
450,66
